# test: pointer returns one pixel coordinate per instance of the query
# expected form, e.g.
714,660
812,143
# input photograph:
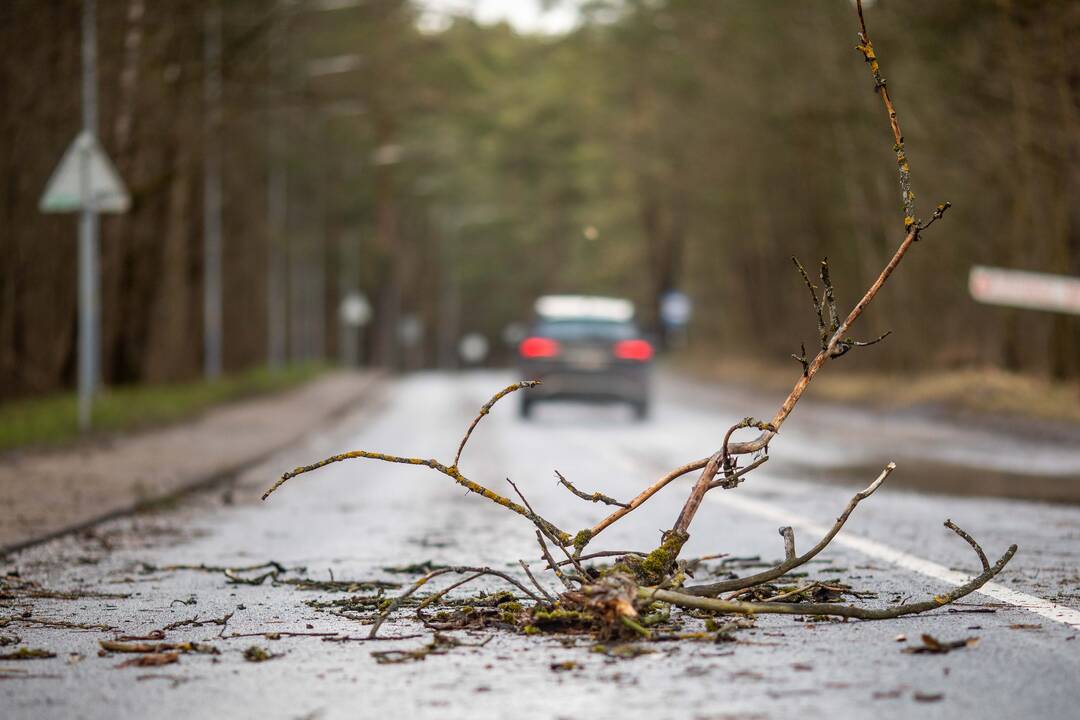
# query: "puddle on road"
942,478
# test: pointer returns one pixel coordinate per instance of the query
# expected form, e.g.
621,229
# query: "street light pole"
89,315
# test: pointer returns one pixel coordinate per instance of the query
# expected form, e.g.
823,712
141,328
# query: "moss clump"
582,539
530,630
560,618
257,654
657,566
510,611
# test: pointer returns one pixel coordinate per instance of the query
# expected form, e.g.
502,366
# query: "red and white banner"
1022,289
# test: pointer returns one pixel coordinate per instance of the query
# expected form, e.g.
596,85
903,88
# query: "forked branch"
686,600
790,560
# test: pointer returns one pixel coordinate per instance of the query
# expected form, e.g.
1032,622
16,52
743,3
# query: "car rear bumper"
622,383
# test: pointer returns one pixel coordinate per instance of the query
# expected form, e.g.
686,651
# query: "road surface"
354,519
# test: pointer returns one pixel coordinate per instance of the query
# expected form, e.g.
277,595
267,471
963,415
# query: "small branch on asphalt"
477,572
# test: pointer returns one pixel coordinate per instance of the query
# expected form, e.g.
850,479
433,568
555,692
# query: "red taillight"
633,350
538,347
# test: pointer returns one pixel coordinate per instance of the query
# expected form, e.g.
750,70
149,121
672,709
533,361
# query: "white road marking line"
1031,603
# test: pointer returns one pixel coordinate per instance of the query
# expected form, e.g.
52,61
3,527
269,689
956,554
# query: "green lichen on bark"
582,539
657,566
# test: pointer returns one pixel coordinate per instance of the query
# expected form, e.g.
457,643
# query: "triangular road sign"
103,190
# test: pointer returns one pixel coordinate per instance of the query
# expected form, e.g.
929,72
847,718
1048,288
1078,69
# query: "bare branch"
791,562
801,358
525,567
554,566
734,448
721,460
401,598
789,543
726,482
829,298
591,497
822,331
834,609
970,541
866,47
479,572
938,212
646,494
603,554
913,228
486,408
558,535
847,344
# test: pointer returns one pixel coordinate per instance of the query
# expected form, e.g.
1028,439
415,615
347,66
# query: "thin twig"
591,497
822,328
486,408
604,553
541,528
401,598
449,471
970,541
734,448
551,562
478,572
528,572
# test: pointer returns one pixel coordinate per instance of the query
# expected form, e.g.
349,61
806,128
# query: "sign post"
354,313
676,310
87,183
1022,289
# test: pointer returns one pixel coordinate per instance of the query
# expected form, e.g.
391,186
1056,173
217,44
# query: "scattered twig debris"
933,646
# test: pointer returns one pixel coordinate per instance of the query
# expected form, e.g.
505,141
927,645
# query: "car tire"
525,409
641,410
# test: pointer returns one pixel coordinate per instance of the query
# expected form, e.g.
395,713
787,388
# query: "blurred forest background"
453,172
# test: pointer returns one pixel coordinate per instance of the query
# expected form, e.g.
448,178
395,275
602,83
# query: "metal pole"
89,316
348,332
212,194
449,299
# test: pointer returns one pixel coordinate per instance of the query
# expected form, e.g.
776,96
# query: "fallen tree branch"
607,601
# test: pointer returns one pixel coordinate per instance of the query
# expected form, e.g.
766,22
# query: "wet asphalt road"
352,519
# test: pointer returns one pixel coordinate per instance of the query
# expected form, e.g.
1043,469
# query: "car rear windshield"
586,330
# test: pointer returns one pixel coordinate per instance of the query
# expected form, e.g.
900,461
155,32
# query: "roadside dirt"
45,493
